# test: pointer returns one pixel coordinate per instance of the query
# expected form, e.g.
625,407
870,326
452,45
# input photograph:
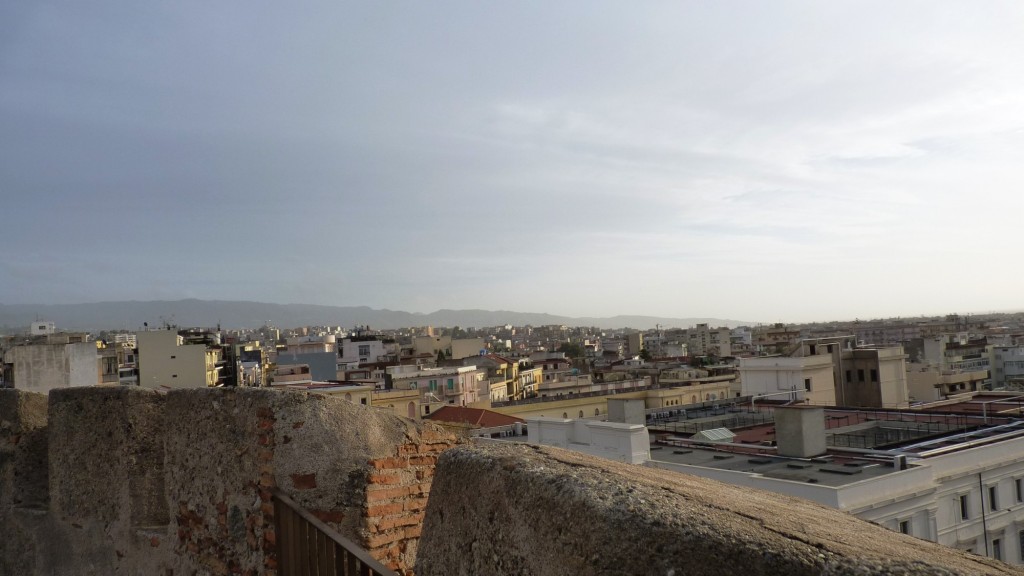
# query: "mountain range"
130,315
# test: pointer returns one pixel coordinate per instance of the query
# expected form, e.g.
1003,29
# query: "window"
1020,542
1018,485
993,498
860,374
849,375
173,357
904,526
364,349
451,383
413,385
362,401
874,375
997,548
965,511
813,350
807,384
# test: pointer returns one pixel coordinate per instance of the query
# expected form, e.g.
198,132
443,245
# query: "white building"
1007,367
946,481
51,361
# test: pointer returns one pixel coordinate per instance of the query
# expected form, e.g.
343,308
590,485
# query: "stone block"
546,511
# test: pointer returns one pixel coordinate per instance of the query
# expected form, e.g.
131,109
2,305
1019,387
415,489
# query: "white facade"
621,442
166,362
810,375
1007,366
963,499
43,366
361,351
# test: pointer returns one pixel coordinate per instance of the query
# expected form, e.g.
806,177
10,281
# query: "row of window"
993,502
432,385
860,375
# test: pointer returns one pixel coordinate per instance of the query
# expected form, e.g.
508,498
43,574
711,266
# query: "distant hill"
236,314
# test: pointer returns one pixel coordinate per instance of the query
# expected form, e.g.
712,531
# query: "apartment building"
861,376
178,358
50,360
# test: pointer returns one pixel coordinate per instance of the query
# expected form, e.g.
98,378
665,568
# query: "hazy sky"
753,160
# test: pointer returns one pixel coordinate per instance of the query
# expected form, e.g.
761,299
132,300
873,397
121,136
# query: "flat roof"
829,470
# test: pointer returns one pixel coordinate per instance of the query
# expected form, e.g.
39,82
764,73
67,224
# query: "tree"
645,355
571,350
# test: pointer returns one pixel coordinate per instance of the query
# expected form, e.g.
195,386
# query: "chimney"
800,431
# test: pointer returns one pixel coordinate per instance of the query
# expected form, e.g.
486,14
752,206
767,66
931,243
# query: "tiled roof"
475,416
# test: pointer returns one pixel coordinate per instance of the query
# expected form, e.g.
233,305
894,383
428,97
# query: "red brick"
386,463
397,522
304,481
384,509
378,478
415,504
428,460
379,540
387,494
265,424
413,531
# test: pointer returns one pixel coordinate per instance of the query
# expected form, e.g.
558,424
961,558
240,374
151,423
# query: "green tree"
571,350
645,355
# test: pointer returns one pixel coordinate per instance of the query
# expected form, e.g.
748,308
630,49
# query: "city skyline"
788,162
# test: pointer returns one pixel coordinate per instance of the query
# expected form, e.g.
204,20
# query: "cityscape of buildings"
914,424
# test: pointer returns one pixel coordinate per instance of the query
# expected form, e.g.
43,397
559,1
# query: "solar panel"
715,435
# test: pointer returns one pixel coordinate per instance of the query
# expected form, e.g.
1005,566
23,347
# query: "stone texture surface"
24,473
130,481
23,452
524,510
319,449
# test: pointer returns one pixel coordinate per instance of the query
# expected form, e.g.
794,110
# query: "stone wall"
545,511
129,481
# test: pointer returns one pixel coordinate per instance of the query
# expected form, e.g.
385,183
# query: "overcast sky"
761,161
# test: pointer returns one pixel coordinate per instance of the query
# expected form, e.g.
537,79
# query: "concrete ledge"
504,509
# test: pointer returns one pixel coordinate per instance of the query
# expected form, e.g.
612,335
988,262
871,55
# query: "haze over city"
761,161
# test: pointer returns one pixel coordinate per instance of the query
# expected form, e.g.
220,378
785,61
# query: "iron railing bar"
353,551
302,535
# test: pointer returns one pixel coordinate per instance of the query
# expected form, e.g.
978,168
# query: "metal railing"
306,546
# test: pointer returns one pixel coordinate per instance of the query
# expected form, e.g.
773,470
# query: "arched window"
581,413
564,415
597,411
693,399
348,396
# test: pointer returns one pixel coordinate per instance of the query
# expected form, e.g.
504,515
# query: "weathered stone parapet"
129,481
23,452
227,448
24,472
512,509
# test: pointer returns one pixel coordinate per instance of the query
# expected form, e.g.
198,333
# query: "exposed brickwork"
209,541
396,498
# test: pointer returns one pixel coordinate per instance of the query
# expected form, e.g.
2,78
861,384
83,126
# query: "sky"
750,160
